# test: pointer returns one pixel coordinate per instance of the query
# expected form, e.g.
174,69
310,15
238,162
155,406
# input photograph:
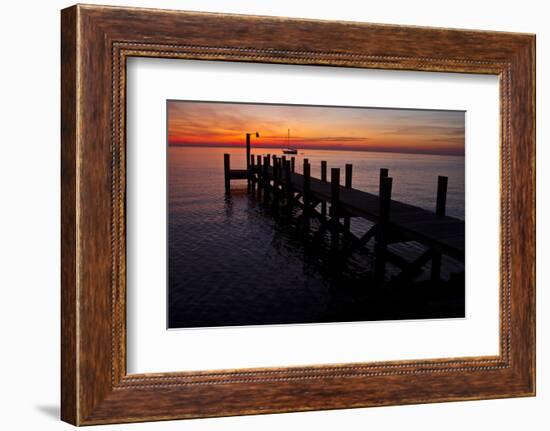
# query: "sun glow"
317,127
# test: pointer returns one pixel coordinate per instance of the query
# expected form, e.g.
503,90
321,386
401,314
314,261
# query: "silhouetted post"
334,207
307,161
307,194
265,179
440,209
275,181
347,184
248,181
293,164
349,173
247,150
323,170
226,172
288,186
384,202
282,176
251,174
383,174
441,195
268,164
259,170
324,179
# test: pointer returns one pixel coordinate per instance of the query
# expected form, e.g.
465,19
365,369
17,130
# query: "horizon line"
343,148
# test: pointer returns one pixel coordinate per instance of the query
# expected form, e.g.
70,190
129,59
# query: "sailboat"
289,149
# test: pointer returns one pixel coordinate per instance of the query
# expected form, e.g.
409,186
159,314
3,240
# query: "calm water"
232,264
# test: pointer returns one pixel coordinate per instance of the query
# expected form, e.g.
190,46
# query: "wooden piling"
247,150
227,172
334,207
384,202
265,179
293,164
276,175
385,199
251,174
440,210
324,179
347,184
349,173
282,177
307,194
383,174
441,201
259,175
288,186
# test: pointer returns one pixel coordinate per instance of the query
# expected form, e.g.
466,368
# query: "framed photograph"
262,214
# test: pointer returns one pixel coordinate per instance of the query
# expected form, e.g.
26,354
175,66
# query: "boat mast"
288,138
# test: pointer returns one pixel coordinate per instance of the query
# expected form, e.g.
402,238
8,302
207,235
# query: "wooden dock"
333,205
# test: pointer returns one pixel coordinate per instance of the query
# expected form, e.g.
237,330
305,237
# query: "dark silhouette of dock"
333,205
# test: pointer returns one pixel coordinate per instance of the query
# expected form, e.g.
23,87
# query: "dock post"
273,189
440,210
268,183
248,181
227,172
293,164
252,174
259,174
307,194
265,178
441,195
276,180
384,200
347,184
282,176
334,207
247,150
324,179
288,186
383,174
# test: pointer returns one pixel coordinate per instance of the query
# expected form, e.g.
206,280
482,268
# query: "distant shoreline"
265,147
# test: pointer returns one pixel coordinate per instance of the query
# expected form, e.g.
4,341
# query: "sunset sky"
314,127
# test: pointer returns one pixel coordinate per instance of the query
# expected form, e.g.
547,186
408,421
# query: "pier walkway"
334,204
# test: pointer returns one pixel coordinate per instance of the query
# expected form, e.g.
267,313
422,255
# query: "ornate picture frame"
96,41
